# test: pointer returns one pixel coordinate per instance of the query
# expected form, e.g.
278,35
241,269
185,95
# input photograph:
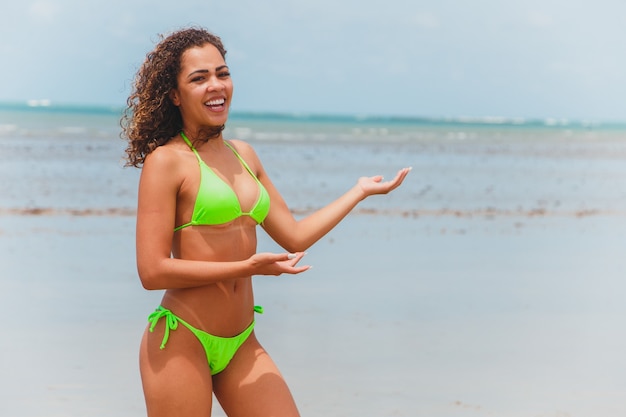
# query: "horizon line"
46,105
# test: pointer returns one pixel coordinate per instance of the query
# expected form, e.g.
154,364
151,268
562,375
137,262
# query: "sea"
489,284
71,159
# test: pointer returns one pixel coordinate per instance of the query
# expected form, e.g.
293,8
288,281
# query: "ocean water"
490,283
72,160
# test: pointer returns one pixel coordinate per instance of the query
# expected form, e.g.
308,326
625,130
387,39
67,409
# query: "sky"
437,58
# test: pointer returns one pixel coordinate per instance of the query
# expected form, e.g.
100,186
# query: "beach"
490,284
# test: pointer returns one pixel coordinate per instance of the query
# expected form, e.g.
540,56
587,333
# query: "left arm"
298,235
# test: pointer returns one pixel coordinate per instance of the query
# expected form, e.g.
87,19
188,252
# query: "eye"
224,74
197,79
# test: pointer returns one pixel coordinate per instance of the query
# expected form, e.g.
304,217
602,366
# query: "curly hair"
151,119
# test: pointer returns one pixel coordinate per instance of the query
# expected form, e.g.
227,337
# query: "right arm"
161,178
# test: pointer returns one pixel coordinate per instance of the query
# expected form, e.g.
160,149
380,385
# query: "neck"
204,133
202,142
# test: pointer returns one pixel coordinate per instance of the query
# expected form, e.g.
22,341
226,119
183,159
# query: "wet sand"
438,316
491,284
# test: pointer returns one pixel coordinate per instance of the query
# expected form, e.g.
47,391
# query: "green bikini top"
216,202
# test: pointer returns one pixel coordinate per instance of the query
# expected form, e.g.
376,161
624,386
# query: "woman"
200,200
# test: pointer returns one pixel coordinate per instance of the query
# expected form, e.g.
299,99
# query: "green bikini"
216,203
219,350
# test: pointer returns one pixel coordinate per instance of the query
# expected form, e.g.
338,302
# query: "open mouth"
217,103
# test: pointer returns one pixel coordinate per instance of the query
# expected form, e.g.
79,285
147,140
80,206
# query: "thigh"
251,385
176,380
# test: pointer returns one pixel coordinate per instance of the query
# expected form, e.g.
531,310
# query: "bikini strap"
188,142
243,162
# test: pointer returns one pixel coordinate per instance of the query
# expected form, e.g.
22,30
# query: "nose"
214,84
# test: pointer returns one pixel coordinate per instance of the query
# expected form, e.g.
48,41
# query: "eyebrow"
206,71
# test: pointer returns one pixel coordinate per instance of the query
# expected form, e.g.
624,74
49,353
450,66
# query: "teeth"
216,102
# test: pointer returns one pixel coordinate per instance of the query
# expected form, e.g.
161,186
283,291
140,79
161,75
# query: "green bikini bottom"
219,350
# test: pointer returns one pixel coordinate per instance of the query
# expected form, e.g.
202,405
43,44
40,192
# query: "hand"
277,263
374,185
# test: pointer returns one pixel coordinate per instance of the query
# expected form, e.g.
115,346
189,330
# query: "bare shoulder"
166,164
246,151
169,157
241,146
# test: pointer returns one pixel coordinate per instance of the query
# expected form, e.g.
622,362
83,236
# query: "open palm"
375,185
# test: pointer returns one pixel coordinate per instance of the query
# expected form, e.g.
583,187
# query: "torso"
224,308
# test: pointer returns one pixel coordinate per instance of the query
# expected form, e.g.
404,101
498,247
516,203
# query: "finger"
290,256
271,258
299,269
400,176
403,173
295,257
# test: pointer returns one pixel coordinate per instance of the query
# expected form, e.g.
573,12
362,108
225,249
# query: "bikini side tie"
171,321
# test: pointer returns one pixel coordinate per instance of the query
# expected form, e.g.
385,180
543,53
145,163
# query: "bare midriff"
224,308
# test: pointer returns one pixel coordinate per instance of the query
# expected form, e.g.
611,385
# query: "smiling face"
204,88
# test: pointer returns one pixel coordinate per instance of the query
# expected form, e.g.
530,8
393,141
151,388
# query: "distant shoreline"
47,106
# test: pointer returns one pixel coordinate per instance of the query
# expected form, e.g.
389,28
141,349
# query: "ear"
174,97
